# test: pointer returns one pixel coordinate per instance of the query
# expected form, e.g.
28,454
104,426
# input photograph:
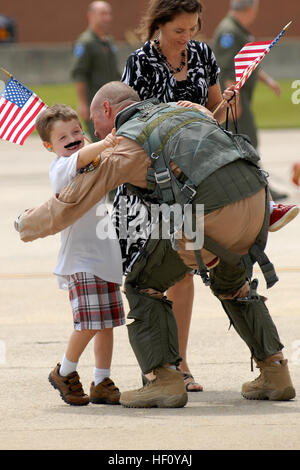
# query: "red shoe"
213,263
282,214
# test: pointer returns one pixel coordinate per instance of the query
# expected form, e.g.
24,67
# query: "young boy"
89,267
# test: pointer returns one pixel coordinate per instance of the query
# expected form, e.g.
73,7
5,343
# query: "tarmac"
36,322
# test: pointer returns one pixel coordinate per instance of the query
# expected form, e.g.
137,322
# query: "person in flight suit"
229,38
95,59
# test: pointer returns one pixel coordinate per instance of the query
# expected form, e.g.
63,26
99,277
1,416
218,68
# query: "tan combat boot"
167,390
273,383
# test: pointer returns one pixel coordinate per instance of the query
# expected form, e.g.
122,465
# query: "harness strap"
162,177
256,253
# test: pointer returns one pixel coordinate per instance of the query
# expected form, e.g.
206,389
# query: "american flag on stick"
19,108
249,57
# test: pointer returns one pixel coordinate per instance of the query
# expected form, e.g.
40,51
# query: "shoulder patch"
226,40
79,49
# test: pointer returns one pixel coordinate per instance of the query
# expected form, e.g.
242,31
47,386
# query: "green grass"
271,111
60,93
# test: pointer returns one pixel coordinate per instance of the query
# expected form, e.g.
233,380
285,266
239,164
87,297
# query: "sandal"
189,380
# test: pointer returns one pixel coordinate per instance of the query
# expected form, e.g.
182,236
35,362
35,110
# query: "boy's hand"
111,140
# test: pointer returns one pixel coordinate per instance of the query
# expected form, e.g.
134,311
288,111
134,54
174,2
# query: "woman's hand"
230,95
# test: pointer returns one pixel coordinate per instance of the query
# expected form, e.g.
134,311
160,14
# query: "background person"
94,59
172,66
230,36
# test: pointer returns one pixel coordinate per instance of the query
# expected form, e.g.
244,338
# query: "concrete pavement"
36,322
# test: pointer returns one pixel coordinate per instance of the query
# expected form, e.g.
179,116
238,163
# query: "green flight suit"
210,157
230,36
94,63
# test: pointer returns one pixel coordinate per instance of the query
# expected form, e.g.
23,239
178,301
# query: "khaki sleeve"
126,163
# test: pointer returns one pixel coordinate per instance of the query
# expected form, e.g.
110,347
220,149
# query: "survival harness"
169,132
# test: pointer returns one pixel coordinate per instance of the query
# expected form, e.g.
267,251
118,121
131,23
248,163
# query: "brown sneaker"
167,390
105,393
273,383
69,387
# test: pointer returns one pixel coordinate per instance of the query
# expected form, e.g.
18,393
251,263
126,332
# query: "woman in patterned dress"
170,66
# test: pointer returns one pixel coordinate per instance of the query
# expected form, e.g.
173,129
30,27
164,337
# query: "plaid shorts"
96,304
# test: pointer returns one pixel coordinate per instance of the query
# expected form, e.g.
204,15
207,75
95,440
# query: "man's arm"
127,163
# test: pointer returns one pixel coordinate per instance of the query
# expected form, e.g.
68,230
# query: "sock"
272,204
100,375
67,367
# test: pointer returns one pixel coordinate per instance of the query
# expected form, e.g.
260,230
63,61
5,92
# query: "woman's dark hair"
162,11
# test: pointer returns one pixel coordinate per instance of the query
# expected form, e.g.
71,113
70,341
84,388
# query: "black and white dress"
150,77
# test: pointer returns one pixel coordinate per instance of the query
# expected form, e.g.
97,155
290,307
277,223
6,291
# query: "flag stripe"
246,63
26,116
15,126
249,57
10,121
245,57
6,112
2,104
29,125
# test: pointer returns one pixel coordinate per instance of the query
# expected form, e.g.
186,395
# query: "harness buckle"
162,176
253,296
191,192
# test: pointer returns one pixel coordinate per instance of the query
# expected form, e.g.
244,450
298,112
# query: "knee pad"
226,279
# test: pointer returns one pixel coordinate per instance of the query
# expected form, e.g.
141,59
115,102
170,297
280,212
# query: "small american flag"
250,56
19,108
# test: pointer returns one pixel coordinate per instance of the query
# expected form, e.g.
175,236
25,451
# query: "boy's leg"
64,377
103,390
110,315
103,348
77,344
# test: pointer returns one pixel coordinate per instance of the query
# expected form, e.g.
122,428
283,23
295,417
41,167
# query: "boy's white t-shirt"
90,244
